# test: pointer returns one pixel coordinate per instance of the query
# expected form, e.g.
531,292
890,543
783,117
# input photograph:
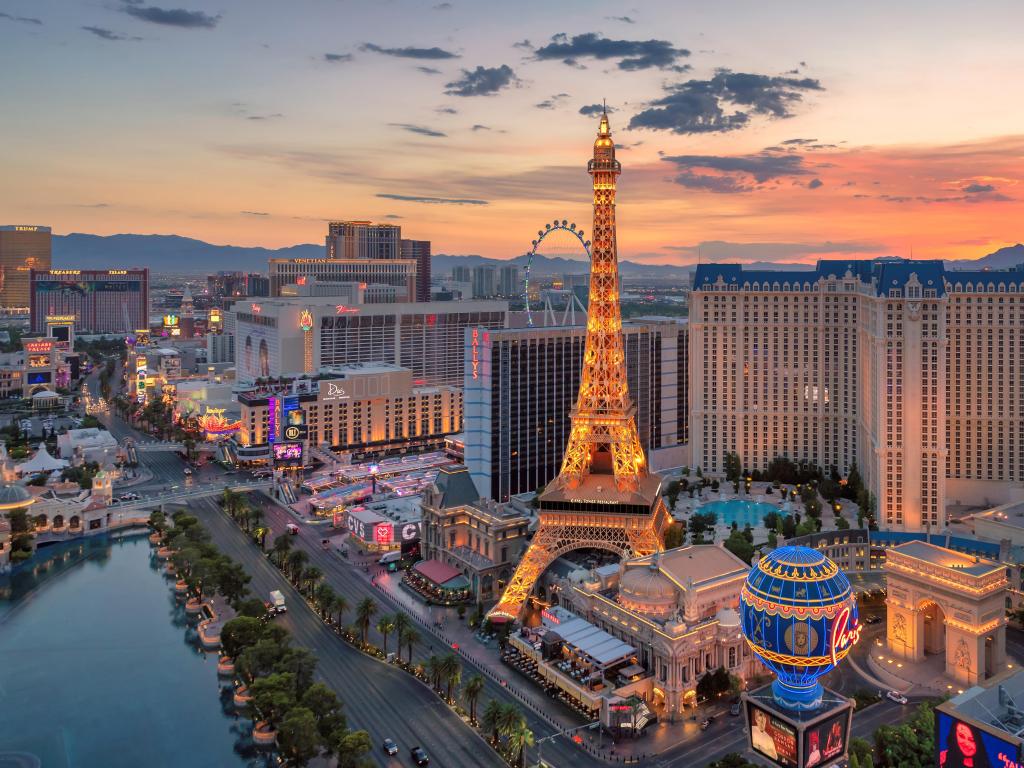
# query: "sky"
747,131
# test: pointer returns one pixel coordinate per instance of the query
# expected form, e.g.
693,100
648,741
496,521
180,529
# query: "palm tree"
402,622
296,561
254,518
451,673
508,719
231,500
471,693
519,738
365,611
340,606
409,638
386,625
492,718
432,668
282,546
311,577
324,596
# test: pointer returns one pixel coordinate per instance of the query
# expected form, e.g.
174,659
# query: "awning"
437,572
632,670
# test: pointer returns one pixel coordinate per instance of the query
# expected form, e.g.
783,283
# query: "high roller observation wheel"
555,226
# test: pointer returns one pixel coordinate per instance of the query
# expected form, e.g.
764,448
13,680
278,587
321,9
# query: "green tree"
297,560
451,673
301,664
471,693
351,747
232,580
738,544
240,633
807,527
491,719
518,739
339,607
365,611
310,578
733,760
323,598
282,546
298,737
273,696
325,706
910,744
402,622
386,625
675,535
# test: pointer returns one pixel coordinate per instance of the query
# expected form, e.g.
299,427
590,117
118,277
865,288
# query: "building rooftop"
697,566
359,369
947,558
999,703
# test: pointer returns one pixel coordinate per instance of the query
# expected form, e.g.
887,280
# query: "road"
379,698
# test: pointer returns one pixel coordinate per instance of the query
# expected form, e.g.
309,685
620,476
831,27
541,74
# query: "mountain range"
176,254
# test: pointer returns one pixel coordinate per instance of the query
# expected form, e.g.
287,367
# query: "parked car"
896,696
419,756
873,619
389,747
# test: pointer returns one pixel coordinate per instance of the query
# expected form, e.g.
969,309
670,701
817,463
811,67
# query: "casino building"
292,336
98,300
22,249
363,409
678,609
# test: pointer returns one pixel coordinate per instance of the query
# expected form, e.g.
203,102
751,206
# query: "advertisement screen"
771,737
825,741
962,745
382,533
39,377
288,451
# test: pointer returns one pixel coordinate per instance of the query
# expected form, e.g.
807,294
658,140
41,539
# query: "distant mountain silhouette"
173,253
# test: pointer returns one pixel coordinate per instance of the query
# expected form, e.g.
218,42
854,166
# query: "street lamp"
566,732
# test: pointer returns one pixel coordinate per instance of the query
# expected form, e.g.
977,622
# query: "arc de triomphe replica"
942,601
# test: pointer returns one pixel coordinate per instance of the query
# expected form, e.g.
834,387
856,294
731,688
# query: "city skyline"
262,122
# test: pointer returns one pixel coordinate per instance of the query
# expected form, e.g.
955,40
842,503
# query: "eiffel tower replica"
604,497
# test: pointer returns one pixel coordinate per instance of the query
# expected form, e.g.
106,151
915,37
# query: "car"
896,696
293,529
389,747
706,724
873,619
419,756
734,710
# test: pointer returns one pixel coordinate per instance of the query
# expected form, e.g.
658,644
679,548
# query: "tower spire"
604,496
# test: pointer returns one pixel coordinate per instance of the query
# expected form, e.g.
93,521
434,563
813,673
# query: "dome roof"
728,618
648,590
14,496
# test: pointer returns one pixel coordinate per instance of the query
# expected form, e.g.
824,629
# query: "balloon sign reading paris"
799,616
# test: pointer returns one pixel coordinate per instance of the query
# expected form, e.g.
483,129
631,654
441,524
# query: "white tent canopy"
42,462
596,644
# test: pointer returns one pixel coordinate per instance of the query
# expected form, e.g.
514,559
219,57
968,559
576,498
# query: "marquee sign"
213,422
332,390
40,346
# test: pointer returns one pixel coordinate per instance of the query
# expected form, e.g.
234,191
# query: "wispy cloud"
410,52
429,70
623,19
735,173
593,110
22,19
431,200
420,129
552,102
109,34
721,250
170,17
337,58
482,81
254,213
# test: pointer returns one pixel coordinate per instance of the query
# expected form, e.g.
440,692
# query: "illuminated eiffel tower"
604,497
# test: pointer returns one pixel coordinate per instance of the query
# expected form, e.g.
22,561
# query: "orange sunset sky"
749,131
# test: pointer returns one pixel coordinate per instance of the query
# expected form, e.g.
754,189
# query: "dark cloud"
108,34
524,44
255,213
22,19
479,127
171,17
337,58
815,183
798,142
553,102
972,189
593,110
92,205
410,52
420,129
431,200
429,70
623,19
736,173
482,81
393,216
273,116
632,54
446,111
724,103
443,7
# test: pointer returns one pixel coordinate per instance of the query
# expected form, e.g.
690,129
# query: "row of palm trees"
507,730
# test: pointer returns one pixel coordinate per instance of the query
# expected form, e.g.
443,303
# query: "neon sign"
170,321
333,391
213,422
844,636
341,309
382,533
41,346
306,320
476,353
256,308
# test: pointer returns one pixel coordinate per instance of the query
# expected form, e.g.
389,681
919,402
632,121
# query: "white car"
896,696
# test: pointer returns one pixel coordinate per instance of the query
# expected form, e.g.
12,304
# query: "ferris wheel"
559,239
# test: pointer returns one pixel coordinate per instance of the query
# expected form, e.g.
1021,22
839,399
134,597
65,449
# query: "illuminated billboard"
289,454
825,741
962,744
772,737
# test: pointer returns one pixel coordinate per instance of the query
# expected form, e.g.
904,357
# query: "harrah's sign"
844,634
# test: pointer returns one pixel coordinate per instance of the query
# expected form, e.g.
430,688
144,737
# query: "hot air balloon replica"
799,617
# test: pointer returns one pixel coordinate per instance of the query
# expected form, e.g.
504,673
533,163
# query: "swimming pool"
739,511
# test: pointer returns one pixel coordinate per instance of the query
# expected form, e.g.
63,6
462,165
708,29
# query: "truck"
389,558
277,602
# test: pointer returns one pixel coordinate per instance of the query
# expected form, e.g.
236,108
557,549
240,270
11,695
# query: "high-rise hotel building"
521,383
22,249
99,300
913,371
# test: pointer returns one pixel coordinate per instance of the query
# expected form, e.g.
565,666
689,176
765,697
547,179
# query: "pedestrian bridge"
183,494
